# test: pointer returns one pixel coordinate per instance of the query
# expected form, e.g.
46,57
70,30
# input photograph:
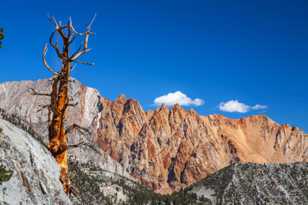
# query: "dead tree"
59,95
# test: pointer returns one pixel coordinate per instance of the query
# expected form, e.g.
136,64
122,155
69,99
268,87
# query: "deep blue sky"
252,51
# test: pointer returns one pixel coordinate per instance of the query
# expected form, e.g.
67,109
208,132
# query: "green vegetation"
5,175
1,36
88,180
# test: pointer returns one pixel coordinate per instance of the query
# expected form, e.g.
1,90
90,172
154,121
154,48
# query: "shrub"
5,175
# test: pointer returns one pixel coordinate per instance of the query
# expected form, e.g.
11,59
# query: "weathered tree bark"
59,96
58,142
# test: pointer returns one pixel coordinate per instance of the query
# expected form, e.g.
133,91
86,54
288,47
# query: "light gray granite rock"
29,174
33,173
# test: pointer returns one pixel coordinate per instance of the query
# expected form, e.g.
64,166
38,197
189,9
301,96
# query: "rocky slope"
165,149
242,184
27,170
247,184
30,175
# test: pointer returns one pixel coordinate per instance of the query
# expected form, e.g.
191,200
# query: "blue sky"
252,52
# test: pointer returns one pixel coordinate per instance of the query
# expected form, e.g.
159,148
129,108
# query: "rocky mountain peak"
121,99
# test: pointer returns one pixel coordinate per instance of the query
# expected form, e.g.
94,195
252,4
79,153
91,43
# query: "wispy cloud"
178,98
236,106
259,107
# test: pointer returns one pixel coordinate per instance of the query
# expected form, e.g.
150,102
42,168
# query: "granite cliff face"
19,105
165,149
31,172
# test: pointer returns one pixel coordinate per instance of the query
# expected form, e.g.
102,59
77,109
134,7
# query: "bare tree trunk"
59,96
58,142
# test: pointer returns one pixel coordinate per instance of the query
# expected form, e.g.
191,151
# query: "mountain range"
170,150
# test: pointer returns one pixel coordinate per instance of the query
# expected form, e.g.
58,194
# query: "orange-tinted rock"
168,149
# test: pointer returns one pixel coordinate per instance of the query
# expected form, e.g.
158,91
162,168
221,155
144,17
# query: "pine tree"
1,36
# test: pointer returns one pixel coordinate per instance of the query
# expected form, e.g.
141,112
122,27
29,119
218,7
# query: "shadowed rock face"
165,149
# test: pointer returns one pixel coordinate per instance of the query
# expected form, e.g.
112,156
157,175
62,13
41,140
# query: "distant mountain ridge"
165,149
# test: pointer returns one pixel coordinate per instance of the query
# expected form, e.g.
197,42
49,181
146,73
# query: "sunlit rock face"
32,174
165,149
168,149
16,99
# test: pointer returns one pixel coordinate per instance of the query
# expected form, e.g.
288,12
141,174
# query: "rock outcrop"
29,175
32,175
29,111
166,149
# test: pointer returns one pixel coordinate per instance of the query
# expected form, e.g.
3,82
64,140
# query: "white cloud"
259,107
236,106
177,98
233,106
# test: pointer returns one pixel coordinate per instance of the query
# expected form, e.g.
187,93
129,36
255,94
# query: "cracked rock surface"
33,173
